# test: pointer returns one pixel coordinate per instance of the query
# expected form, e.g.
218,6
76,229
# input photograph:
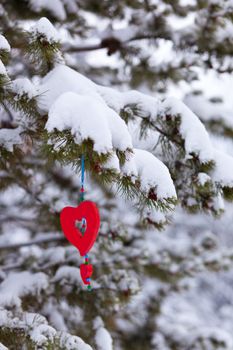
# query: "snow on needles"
44,27
17,285
10,137
37,329
152,173
89,118
90,111
64,79
192,130
23,86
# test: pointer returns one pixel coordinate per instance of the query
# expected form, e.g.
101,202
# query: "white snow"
10,137
84,117
17,285
103,338
42,334
64,79
112,163
218,203
4,45
71,6
2,68
203,178
89,118
24,86
223,170
37,328
209,111
147,106
69,342
154,215
68,273
152,173
121,34
224,32
192,130
44,27
89,111
55,7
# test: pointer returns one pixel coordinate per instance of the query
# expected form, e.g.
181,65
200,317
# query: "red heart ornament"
68,217
86,272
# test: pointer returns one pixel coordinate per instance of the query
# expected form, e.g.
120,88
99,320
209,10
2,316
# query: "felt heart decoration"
69,216
86,272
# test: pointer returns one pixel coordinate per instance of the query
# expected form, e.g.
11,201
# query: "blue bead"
88,279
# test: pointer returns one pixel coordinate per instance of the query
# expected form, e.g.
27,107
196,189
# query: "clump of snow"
55,7
152,173
147,106
4,45
75,113
36,327
223,170
155,216
2,69
2,347
68,273
64,79
44,27
18,285
103,338
42,334
70,342
89,118
203,178
23,86
122,280
112,163
10,137
218,203
192,130
126,281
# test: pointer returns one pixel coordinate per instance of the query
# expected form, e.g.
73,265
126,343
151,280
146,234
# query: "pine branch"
112,44
33,242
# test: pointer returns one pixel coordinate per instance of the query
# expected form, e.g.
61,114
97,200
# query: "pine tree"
146,156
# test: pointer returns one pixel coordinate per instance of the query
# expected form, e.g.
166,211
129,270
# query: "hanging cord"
83,224
82,178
